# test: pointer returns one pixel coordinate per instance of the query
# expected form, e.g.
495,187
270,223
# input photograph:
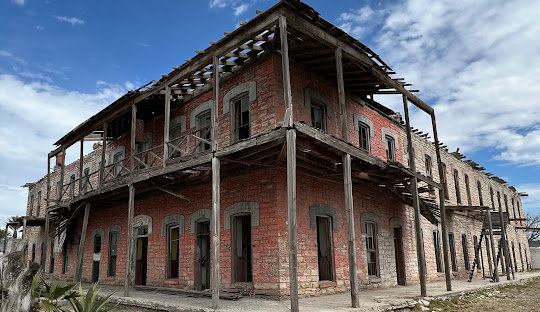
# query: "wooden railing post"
416,205
215,283
341,94
166,123
133,134
81,164
287,95
103,152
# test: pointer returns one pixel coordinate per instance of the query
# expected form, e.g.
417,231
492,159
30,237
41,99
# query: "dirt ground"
512,298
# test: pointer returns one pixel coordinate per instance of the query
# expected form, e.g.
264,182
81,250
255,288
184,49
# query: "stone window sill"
326,284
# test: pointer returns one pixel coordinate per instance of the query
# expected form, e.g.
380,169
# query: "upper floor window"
499,201
240,105
175,128
72,186
86,180
492,199
363,136
518,209
318,115
390,148
117,161
371,249
456,184
429,167
479,186
506,203
38,203
31,204
468,190
513,207
204,121
446,194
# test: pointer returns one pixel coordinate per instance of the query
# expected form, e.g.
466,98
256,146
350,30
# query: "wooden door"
96,258
242,248
324,249
141,260
202,256
400,261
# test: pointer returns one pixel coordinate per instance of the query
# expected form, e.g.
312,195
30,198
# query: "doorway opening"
141,260
400,257
324,248
202,255
242,270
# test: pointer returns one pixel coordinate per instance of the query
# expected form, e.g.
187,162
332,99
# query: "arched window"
479,186
241,117
172,227
113,236
369,222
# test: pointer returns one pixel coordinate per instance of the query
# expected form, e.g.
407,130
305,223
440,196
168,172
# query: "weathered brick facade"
267,188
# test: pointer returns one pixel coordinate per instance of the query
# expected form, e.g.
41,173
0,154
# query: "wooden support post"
129,240
81,164
62,170
488,253
166,123
442,174
45,239
133,135
82,242
341,94
492,242
215,282
48,190
482,259
287,95
353,270
418,226
215,107
504,244
291,208
103,152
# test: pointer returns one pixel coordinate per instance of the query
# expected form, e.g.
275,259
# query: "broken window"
113,251
34,253
371,249
72,186
499,201
117,161
513,207
446,194
468,190
58,190
506,204
465,251
204,122
492,199
363,136
242,248
456,185
241,117
38,203
173,251
65,259
32,204
51,264
437,245
390,148
452,243
318,115
479,186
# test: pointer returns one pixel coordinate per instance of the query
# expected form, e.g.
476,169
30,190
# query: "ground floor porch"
380,299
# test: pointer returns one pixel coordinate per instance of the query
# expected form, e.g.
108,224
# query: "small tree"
533,226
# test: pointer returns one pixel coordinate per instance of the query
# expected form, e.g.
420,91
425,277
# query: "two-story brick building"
264,165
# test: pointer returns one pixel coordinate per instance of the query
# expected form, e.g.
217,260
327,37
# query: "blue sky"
476,62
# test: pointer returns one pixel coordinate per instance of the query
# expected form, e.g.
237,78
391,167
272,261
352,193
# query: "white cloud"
19,2
239,10
142,44
218,3
6,54
531,203
72,20
476,62
38,27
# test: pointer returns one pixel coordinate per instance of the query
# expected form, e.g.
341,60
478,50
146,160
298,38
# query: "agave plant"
91,302
48,296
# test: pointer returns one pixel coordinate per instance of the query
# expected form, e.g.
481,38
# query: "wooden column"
129,240
81,164
62,170
291,213
215,107
504,243
353,270
103,152
287,95
82,242
341,94
215,282
442,174
48,190
488,253
482,259
166,123
133,134
492,243
45,239
416,205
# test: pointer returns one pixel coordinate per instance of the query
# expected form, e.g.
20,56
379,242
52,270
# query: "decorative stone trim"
199,109
395,222
143,220
178,120
250,87
310,94
368,217
114,228
119,149
172,220
361,118
389,132
197,215
100,232
323,210
242,207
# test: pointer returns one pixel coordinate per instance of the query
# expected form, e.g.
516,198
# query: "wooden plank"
291,213
353,270
80,255
129,240
442,207
215,282
287,95
103,153
133,137
467,208
166,125
504,243
215,109
417,222
341,94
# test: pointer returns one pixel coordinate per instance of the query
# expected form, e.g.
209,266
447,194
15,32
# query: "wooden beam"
215,108
81,164
467,208
287,95
129,240
170,192
215,282
282,154
341,94
80,255
166,123
103,153
416,205
504,243
291,213
353,270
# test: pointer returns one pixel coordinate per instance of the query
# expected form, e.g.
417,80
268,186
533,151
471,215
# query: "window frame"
38,208
390,144
480,197
468,189
456,186
315,104
365,136
170,228
452,246
204,132
236,114
445,184
437,246
372,265
465,248
111,269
